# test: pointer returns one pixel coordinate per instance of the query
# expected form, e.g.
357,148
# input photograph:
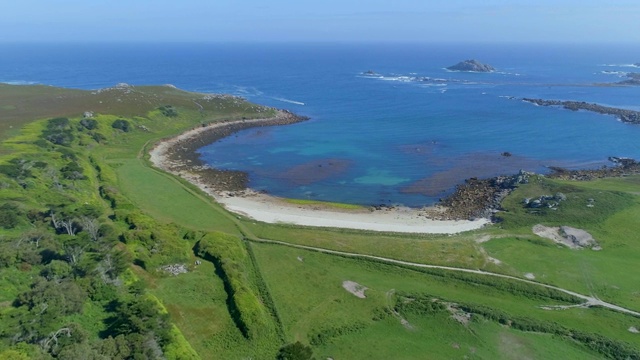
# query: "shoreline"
177,156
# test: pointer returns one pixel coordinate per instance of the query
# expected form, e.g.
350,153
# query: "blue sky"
327,20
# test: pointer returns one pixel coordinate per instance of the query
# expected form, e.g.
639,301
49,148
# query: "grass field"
434,249
613,223
307,289
166,199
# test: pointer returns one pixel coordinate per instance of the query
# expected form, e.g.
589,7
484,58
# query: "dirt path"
589,300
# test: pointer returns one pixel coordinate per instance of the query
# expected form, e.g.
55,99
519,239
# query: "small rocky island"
633,78
471,66
626,116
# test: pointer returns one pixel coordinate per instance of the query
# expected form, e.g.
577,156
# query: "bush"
59,124
9,215
58,132
121,124
17,169
89,124
296,351
72,171
99,138
418,304
168,111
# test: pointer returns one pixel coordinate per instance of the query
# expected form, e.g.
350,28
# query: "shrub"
98,137
121,124
296,351
9,215
58,132
60,124
89,124
72,171
17,169
168,111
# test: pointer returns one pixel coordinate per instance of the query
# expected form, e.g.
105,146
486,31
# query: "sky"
561,21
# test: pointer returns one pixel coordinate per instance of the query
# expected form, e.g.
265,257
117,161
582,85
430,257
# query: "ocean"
406,134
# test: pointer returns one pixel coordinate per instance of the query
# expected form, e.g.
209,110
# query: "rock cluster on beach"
471,66
627,116
479,198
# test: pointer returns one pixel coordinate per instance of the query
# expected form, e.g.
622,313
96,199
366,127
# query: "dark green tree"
295,351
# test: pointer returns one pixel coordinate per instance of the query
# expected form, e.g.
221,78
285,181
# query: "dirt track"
589,300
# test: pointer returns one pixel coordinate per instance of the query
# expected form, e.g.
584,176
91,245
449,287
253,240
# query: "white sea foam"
398,78
288,101
620,65
19,82
619,73
246,91
433,85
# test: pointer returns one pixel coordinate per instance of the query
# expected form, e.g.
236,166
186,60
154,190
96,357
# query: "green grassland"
246,299
307,290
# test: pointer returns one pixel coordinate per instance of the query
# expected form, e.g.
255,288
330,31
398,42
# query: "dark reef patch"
314,171
478,165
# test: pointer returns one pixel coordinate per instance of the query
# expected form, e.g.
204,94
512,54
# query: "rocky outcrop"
478,198
471,66
633,79
545,201
627,116
569,236
622,167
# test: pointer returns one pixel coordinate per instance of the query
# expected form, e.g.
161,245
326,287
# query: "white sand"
405,220
270,209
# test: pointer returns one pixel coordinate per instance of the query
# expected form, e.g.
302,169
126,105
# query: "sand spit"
177,156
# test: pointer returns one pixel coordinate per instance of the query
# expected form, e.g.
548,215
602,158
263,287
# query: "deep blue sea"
406,135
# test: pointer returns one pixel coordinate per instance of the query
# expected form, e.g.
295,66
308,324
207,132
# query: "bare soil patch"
568,236
355,288
529,276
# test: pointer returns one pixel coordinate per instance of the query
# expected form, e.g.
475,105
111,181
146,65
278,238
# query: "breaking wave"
288,101
19,82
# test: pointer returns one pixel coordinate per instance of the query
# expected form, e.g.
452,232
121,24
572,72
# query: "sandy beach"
177,156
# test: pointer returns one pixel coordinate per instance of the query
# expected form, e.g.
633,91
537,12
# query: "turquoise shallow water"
391,138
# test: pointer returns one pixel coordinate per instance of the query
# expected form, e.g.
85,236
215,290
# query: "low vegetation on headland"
105,257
